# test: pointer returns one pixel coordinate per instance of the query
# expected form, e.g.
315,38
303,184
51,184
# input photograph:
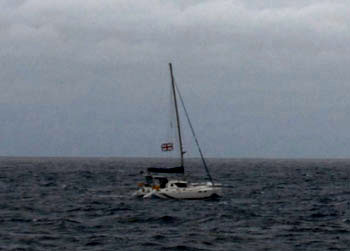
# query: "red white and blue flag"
166,147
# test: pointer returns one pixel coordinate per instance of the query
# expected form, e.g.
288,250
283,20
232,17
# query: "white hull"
202,192
190,192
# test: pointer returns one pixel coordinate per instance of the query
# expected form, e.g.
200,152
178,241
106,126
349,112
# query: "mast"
177,115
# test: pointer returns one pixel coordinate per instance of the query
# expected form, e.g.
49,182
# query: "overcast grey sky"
90,77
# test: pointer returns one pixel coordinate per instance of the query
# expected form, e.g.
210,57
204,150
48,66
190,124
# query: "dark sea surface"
86,204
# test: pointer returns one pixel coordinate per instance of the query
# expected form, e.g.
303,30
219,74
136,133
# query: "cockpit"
156,180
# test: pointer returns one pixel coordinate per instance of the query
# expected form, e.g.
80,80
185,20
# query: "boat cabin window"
181,184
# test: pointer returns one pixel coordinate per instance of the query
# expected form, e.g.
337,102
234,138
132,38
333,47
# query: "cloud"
239,63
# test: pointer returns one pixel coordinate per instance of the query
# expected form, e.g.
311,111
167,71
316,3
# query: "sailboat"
157,181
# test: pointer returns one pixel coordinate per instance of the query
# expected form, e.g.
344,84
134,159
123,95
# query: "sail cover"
178,169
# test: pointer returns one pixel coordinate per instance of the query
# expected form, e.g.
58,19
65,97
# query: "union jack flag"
166,147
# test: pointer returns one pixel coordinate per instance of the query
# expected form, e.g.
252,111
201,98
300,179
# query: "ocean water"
86,204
